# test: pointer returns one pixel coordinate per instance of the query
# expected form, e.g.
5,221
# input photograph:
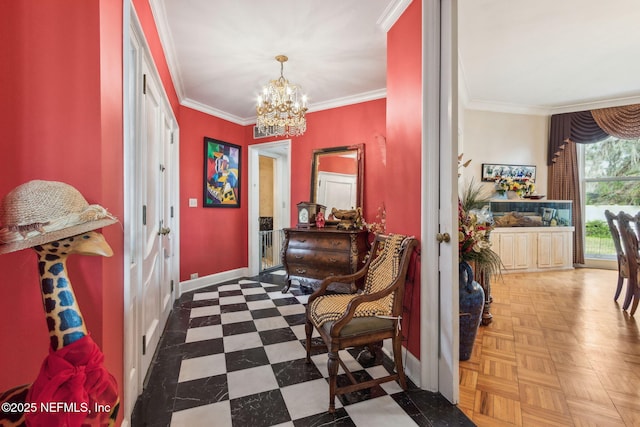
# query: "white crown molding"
594,105
333,103
160,17
217,113
503,107
391,14
348,100
539,110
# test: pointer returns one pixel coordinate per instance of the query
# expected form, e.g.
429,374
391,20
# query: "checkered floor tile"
233,354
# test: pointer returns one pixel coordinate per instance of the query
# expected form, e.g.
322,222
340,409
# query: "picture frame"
222,172
491,171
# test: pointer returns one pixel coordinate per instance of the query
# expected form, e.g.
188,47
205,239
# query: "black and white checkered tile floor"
233,354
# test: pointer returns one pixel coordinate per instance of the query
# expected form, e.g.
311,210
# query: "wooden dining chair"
364,318
623,265
630,235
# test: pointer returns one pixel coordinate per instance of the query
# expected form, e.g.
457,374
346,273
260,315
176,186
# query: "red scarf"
73,388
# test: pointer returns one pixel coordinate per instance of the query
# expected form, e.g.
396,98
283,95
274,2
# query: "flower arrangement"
380,226
473,235
474,227
521,186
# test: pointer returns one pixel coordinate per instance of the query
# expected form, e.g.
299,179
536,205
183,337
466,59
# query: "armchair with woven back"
365,318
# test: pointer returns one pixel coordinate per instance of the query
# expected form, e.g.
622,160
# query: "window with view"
611,180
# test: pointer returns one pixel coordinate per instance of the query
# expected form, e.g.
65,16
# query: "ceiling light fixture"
281,107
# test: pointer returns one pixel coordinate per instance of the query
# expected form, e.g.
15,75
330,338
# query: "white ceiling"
536,56
549,55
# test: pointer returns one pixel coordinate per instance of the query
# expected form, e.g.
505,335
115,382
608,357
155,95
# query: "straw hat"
39,212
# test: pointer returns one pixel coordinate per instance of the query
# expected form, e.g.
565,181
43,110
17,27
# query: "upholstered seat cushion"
359,325
332,307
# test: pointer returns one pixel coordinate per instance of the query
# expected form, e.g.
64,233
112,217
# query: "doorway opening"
269,203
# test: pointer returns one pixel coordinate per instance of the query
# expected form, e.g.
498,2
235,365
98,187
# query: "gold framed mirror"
337,176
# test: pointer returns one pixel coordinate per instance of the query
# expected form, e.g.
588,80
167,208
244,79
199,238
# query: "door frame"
133,377
439,334
281,152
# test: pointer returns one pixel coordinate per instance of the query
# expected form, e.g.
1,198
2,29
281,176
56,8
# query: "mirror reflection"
336,177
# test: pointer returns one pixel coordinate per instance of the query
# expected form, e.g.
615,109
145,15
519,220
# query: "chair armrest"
356,301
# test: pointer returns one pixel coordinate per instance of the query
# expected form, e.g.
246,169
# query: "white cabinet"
523,249
515,249
554,250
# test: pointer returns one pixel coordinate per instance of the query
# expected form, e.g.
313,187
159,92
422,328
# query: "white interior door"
337,190
151,164
439,336
152,219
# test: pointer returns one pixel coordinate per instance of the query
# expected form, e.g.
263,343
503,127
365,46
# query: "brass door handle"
164,231
443,237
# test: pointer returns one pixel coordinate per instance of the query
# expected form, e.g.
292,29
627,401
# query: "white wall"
505,138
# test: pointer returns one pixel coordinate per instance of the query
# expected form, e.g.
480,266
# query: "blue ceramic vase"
471,306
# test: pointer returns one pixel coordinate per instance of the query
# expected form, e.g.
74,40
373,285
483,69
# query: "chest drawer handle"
302,240
298,256
301,270
335,242
333,260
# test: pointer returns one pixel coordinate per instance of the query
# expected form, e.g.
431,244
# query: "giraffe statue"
72,377
63,316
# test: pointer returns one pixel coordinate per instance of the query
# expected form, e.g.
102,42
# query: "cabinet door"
522,250
505,248
514,250
552,250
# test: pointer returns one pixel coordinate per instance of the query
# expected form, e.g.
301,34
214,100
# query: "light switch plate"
193,203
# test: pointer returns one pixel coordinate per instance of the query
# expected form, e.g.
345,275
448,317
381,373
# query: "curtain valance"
586,127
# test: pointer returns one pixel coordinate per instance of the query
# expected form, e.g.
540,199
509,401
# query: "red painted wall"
362,123
335,164
145,16
404,138
212,240
61,113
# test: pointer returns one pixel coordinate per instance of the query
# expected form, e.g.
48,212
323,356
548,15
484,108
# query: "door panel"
337,190
152,221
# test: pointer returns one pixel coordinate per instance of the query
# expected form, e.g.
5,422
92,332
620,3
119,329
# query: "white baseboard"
212,279
411,363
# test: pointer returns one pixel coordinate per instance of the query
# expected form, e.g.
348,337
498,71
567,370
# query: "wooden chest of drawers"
310,255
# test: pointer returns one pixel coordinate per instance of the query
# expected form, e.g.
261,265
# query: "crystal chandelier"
281,107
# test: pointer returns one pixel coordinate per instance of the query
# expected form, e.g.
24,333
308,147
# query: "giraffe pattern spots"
62,282
49,305
56,268
66,298
69,318
47,285
71,337
52,257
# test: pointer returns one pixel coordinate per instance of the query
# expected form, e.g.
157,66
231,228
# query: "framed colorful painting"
492,171
221,174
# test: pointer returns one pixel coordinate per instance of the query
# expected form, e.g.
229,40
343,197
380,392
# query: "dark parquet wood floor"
559,352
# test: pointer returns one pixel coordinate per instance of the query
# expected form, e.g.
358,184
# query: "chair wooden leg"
332,367
397,357
629,296
308,329
619,287
636,297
